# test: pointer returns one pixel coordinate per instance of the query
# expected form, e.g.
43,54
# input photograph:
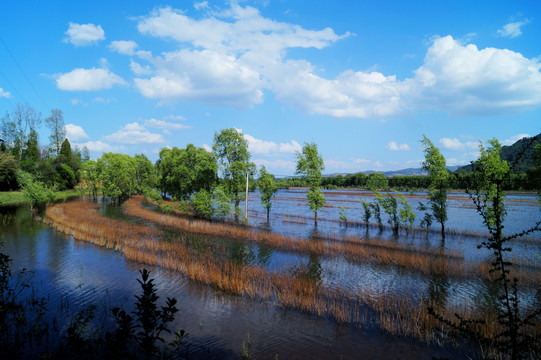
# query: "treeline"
526,181
22,158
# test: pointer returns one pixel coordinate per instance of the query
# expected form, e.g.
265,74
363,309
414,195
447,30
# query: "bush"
202,203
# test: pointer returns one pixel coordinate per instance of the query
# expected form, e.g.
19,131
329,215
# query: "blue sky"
363,80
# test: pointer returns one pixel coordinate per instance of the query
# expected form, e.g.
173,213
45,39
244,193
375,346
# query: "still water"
79,274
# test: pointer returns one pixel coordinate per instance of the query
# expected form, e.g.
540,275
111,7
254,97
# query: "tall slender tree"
439,182
268,189
17,126
231,150
310,165
55,123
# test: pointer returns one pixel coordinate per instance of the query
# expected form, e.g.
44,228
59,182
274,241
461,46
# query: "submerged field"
358,278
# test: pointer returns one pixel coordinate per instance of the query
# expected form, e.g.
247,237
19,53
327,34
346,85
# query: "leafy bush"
203,204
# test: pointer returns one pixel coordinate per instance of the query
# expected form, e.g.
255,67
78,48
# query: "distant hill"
510,153
402,172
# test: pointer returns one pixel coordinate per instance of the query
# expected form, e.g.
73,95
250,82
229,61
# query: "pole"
246,204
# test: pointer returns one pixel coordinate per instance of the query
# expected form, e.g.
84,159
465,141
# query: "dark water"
73,275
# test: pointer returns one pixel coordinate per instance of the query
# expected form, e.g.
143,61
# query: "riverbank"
17,198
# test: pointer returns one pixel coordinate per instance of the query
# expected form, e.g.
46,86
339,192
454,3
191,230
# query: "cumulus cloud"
456,145
465,80
514,139
88,80
98,146
207,147
4,94
276,166
264,147
512,29
84,34
134,133
123,47
75,133
162,124
205,76
221,60
394,146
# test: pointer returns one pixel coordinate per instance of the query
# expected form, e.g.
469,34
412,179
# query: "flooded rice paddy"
74,274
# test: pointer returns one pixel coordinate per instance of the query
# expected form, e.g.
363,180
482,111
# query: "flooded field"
362,264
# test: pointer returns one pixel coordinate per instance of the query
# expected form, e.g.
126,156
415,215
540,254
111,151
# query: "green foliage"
367,212
377,213
153,195
515,339
36,193
427,219
343,216
231,150
310,165
30,154
91,177
64,177
377,181
117,173
268,188
222,202
203,204
145,174
65,152
8,171
185,171
389,203
407,216
439,182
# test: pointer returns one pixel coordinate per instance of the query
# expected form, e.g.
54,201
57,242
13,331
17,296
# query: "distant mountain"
403,172
510,153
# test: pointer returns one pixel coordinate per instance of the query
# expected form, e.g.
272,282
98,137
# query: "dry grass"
393,313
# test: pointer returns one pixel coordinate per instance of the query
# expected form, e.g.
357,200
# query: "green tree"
389,203
515,339
8,171
29,161
17,126
145,174
439,182
65,152
117,172
185,171
310,165
367,212
55,123
407,216
268,188
90,177
231,149
222,202
377,181
203,204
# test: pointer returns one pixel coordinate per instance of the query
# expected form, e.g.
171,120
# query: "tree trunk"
315,219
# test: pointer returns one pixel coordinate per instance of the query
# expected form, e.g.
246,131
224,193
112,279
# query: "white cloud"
514,139
176,117
201,5
220,60
264,147
98,146
394,146
205,76
351,166
5,94
84,34
512,30
100,99
140,70
457,145
124,47
88,80
76,101
467,81
207,147
75,133
229,63
162,124
134,133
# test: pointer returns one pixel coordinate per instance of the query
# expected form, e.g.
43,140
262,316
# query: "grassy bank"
17,198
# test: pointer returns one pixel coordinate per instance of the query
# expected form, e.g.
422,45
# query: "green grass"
16,198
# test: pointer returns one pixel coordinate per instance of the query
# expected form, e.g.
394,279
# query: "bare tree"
17,125
55,123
